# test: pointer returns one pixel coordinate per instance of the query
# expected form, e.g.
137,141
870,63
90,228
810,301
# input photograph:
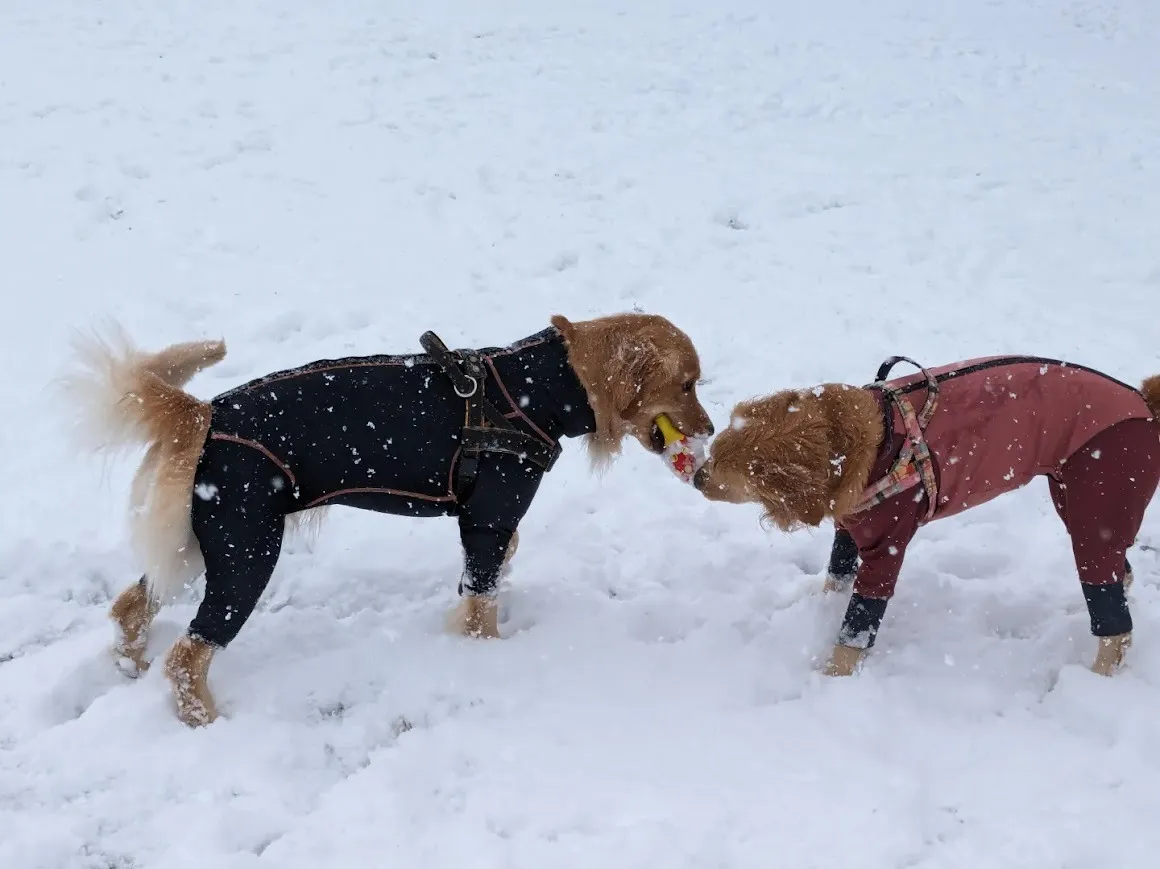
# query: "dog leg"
187,668
843,565
844,660
133,612
510,553
487,551
1110,654
476,616
837,584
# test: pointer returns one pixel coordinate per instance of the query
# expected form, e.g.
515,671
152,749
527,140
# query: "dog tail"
1151,392
124,397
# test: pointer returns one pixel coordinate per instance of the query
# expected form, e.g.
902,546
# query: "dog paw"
195,705
198,713
837,584
131,663
1110,654
475,617
844,661
195,711
186,668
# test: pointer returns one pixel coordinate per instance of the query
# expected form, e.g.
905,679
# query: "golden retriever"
406,434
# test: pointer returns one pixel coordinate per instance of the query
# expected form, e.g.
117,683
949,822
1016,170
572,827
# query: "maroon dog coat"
995,424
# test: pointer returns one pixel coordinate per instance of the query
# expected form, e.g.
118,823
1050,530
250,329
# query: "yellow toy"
683,455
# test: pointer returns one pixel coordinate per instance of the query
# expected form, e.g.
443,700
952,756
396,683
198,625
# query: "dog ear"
792,494
788,447
565,326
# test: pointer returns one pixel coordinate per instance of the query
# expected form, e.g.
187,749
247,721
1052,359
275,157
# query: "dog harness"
486,429
913,465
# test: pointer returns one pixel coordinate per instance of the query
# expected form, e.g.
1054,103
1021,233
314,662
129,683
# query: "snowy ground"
806,188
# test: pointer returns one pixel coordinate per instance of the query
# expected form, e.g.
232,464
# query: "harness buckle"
486,429
474,387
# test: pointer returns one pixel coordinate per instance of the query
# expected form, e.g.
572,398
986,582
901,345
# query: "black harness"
485,430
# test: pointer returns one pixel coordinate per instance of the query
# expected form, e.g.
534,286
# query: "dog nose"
709,429
700,477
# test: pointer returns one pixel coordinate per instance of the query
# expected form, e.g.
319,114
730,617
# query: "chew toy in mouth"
682,454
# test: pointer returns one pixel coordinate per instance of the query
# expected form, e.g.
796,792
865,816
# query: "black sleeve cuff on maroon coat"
1108,608
843,555
863,616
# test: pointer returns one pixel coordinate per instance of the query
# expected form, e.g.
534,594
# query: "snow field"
804,189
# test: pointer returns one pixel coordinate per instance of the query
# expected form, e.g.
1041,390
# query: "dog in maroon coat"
885,459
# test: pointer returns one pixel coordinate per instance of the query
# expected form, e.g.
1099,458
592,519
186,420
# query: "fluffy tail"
123,397
1151,393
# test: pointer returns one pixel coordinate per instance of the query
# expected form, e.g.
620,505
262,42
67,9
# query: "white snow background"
806,189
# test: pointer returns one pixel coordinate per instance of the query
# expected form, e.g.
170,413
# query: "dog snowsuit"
395,434
993,425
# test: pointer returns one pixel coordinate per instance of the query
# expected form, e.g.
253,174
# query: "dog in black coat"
468,434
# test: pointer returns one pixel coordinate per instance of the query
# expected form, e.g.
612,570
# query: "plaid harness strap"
913,465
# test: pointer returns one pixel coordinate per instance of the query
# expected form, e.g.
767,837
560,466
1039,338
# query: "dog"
468,434
885,459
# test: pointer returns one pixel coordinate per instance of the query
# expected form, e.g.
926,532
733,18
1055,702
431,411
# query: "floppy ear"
789,466
592,353
792,494
614,357
565,326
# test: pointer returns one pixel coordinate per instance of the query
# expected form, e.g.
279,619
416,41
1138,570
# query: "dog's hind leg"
239,519
133,613
1101,494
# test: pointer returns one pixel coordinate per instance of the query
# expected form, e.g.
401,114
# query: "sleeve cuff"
863,617
843,555
1108,608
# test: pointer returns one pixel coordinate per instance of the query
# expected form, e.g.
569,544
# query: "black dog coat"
381,433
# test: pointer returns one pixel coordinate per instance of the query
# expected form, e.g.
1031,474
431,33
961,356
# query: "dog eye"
690,386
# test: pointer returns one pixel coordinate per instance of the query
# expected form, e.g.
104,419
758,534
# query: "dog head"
777,453
803,455
635,367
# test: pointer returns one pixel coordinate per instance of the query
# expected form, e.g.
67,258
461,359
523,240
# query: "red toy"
683,455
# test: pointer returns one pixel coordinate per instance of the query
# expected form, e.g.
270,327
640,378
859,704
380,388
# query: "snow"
806,189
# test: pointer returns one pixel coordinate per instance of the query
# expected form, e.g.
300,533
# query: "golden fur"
475,617
804,455
132,612
633,367
1151,392
187,669
124,397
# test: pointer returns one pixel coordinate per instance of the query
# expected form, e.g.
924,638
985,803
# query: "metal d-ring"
474,387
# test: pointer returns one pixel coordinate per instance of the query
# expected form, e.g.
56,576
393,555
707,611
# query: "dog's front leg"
487,552
476,616
857,635
844,660
843,565
1110,654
